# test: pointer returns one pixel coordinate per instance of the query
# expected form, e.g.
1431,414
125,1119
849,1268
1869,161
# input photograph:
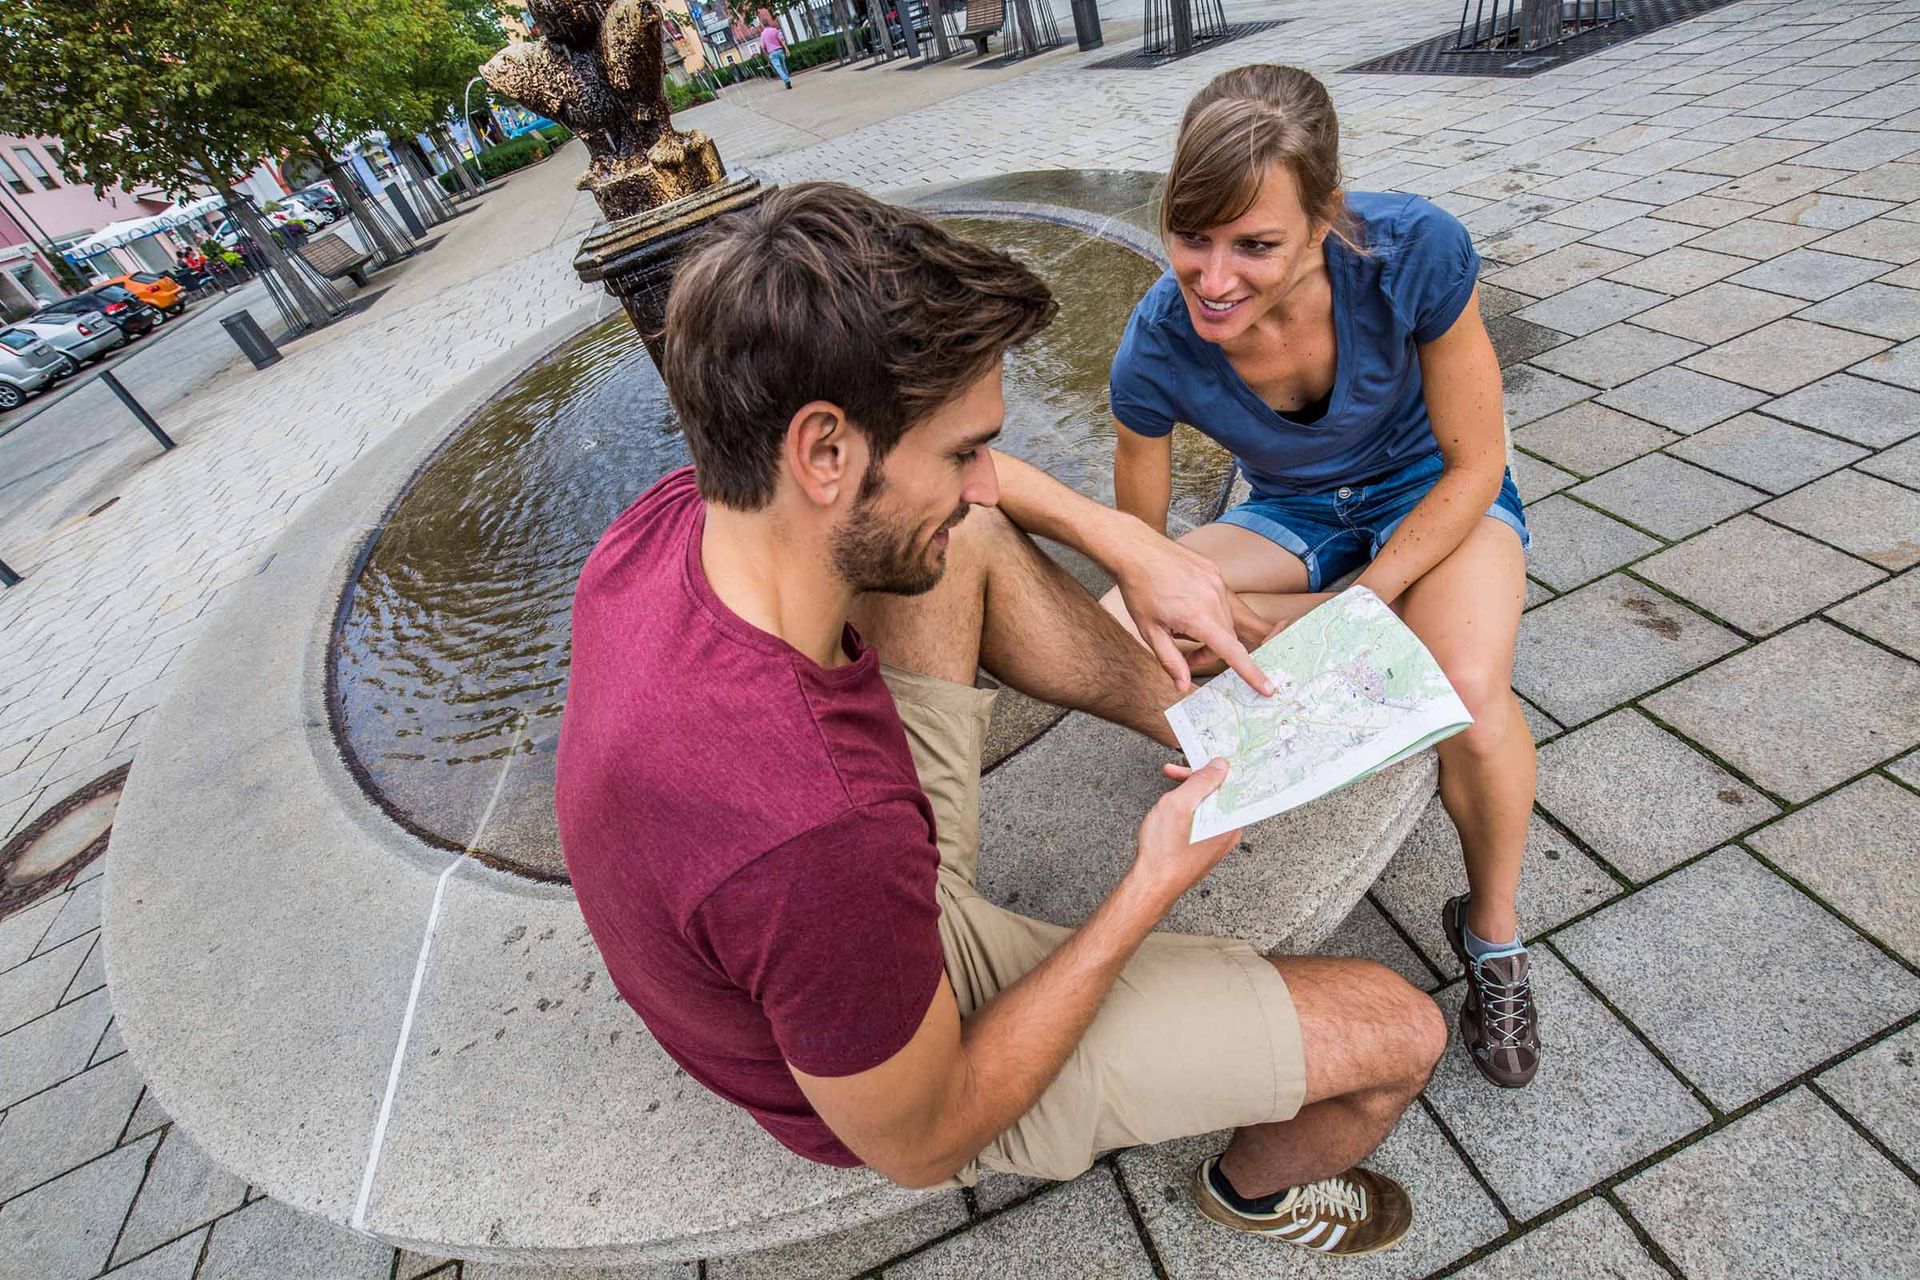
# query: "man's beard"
872,553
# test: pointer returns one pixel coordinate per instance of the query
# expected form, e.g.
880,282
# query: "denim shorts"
1338,532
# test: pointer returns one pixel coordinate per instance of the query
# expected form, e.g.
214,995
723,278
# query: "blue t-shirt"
1409,287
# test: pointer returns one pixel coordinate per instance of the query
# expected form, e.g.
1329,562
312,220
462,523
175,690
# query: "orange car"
159,292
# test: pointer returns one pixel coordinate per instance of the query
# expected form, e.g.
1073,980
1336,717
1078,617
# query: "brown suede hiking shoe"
1498,1021
1356,1212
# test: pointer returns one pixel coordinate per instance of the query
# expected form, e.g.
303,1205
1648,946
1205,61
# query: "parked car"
297,215
121,308
155,290
26,364
322,198
311,203
79,338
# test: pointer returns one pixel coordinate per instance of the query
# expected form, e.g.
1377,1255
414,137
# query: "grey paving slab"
31,989
1641,798
1560,269
1740,980
1557,882
847,1253
1812,274
1880,1087
1594,648
1600,1102
1451,1214
269,1238
184,1189
1766,452
20,933
1616,354
1864,1223
1366,934
79,913
1785,355
1718,312
1590,306
1515,339
1801,711
1890,613
1679,270
1668,496
1644,236
1826,212
66,1126
1592,1242
176,1261
1864,514
63,1229
1681,399
1744,157
1854,848
1900,464
1858,409
413,1266
1756,575
1891,240
1573,544
1527,243
1897,182
1900,365
1531,393
1589,438
1863,150
1709,211
1664,188
1536,479
1778,183
1881,310
148,1116
92,975
1598,213
110,1045
1082,1229
1756,238
51,1047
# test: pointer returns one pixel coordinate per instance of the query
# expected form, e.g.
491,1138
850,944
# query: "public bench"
983,18
333,257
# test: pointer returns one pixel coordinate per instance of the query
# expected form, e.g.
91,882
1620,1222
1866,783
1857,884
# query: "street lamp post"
466,118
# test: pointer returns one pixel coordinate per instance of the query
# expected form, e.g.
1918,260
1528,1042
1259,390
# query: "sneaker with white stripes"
1356,1212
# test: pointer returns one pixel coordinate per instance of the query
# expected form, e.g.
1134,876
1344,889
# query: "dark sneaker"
1498,1020
1358,1212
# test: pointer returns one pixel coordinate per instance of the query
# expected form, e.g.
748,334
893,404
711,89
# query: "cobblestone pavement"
1701,259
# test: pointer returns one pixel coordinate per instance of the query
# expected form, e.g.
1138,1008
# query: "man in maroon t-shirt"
769,767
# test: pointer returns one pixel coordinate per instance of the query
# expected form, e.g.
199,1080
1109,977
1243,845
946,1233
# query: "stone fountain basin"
425,1049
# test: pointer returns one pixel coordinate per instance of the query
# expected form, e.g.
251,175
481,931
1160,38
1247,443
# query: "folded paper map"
1354,691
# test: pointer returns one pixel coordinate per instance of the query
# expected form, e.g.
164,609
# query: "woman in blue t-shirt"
1333,342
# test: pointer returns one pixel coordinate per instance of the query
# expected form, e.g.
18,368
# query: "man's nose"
982,485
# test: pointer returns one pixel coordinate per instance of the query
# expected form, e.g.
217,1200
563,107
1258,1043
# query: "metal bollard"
1086,24
8,577
405,210
251,338
146,419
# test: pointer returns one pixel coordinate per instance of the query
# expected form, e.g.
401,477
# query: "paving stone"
1799,712
1900,366
1616,354
1573,544
1900,465
1515,340
1590,438
1598,213
1718,312
1594,648
183,1189
1865,1221
1533,393
1527,243
1755,238
79,914
63,1230
1677,271
175,1262
1452,1215
1784,355
1557,882
1560,269
1082,1229
1907,769
51,1048
1890,613
1854,848
1897,182
20,933
1664,188
1667,496
1681,399
1644,235
1779,183
1744,157
1863,150
110,1046
1591,1243
1756,575
1641,798
1739,979
1539,723
1812,274
66,1126
1826,212
1599,1103
1710,211
1767,452
92,975
413,1266
847,1253
147,1117
1863,514
269,1239
1590,306
1857,409
1536,479
1880,1087
1895,240
31,989
1878,309
1366,934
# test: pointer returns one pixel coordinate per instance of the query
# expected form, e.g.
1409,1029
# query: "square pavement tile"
1590,438
1826,212
1880,1087
1536,479
1528,242
1756,238
846,1253
1854,848
1741,980
1080,1229
34,988
66,1126
1593,649
1785,355
20,933
1599,1103
1766,452
1856,409
1573,544
1718,312
1557,882
1900,465
1598,213
1592,1242
1590,306
1616,354
1677,271
1751,1182
1681,399
1560,269
64,1228
1515,340
51,1047
1366,934
1534,393
1890,613
1879,309
183,1190
1810,273
1894,240
1667,495
1641,798
179,1260
269,1238
1756,575
1645,235
1863,514
1801,711
1453,1216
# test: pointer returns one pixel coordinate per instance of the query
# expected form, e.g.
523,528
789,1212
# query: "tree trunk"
311,306
385,241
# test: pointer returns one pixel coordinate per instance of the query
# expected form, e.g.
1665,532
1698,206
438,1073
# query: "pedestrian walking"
774,45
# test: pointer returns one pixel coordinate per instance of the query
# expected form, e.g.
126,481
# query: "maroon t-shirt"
745,830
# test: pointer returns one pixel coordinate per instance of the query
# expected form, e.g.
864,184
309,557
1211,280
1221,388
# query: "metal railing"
1526,25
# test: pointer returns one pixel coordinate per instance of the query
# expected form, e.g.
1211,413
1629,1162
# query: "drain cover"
1437,56
55,846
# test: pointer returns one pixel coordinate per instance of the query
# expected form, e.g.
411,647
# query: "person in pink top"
774,45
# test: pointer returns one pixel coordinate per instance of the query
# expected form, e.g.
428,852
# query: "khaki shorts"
1198,1034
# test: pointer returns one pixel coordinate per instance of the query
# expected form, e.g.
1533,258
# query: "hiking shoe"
1357,1212
1498,1021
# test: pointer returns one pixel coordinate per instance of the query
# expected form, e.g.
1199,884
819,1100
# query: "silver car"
26,364
80,338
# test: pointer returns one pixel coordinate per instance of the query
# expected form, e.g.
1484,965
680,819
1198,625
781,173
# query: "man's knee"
1364,1027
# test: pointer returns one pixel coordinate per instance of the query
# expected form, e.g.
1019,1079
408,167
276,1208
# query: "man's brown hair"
821,292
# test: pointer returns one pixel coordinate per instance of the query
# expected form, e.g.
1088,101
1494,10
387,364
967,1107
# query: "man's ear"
823,453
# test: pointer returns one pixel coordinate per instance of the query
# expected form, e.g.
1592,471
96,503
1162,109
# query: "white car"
78,338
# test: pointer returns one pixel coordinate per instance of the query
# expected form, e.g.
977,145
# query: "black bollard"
146,419
7,576
1086,24
405,210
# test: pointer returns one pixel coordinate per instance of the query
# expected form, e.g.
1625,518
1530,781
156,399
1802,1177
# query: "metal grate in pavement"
1436,57
1140,60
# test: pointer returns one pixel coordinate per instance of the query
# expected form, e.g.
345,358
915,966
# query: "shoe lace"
1331,1197
1505,1005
